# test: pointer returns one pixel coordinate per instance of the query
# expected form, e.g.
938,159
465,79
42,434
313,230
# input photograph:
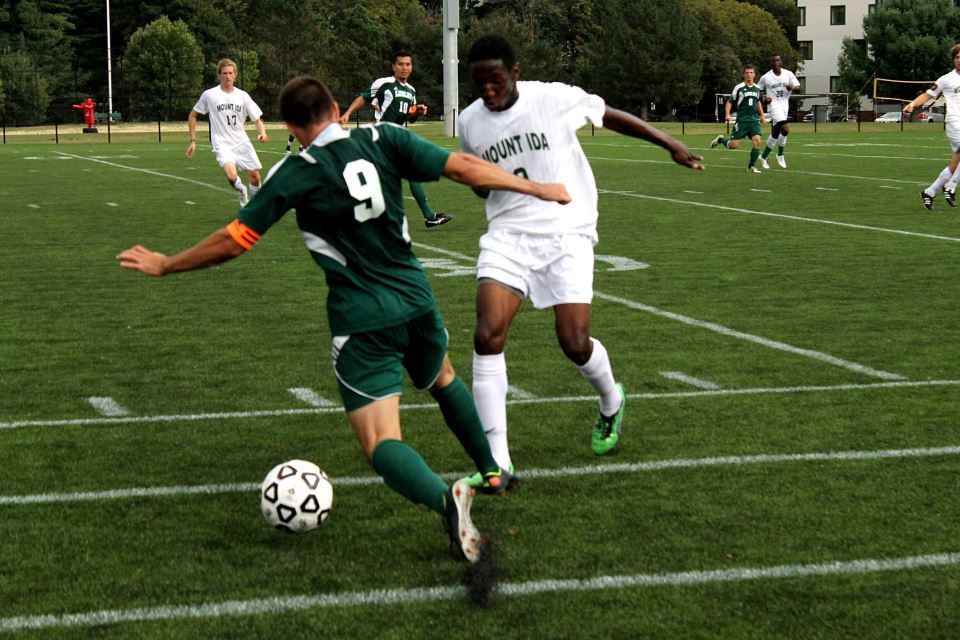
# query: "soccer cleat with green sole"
606,432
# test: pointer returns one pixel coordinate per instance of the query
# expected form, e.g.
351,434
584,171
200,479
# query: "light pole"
109,68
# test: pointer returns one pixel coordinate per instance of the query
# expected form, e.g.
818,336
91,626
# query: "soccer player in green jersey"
395,100
346,189
746,97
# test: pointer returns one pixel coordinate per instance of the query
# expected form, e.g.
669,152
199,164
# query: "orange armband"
244,235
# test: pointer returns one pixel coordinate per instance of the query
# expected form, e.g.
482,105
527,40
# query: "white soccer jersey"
537,138
228,112
775,87
949,85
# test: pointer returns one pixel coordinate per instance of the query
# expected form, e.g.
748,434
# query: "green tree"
785,13
163,68
907,40
26,89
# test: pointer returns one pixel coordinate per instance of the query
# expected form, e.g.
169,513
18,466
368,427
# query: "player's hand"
727,118
263,137
191,148
141,259
683,156
767,99
554,192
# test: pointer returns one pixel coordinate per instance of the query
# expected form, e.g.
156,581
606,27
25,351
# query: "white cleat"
753,169
244,198
764,163
781,162
464,537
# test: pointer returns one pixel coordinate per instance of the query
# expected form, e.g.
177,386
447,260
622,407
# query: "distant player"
394,100
746,96
948,85
229,107
778,83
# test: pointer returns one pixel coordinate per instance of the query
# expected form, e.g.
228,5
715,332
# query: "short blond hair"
226,62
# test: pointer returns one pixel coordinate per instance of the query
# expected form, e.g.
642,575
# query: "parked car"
930,116
890,116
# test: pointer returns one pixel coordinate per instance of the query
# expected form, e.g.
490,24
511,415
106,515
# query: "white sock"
954,179
941,180
238,185
490,395
598,372
782,140
771,141
253,189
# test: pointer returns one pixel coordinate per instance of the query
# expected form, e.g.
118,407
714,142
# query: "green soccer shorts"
746,129
369,366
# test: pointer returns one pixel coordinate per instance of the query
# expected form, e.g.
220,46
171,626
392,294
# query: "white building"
821,28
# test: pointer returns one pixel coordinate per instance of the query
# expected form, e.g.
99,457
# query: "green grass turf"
748,266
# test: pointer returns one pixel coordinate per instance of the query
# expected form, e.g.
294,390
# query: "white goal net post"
798,101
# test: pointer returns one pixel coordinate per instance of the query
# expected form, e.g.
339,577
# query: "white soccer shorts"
953,135
777,114
549,270
242,156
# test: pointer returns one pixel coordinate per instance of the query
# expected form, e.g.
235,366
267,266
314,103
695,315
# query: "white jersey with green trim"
228,113
775,87
948,85
537,138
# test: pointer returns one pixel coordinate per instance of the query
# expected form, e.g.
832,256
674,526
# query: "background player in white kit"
533,251
948,85
229,107
778,83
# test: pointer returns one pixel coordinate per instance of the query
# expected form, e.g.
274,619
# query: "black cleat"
441,218
927,200
950,196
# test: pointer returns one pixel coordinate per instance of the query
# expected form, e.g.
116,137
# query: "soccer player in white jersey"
229,107
540,252
778,83
948,85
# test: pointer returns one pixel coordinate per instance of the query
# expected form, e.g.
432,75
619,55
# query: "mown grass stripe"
388,597
525,474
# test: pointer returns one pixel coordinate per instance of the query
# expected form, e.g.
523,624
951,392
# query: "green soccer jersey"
394,99
346,190
744,100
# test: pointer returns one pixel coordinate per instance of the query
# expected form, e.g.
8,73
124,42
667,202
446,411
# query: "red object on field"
88,106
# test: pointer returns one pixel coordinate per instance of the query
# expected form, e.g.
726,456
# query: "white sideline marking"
273,413
826,189
886,186
699,193
112,204
107,406
694,382
189,202
310,397
383,597
518,393
149,171
773,344
754,212
33,206
761,190
526,474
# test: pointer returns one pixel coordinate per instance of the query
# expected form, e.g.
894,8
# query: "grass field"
790,343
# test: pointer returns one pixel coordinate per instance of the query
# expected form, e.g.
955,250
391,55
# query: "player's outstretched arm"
357,103
480,174
630,125
261,131
919,101
218,247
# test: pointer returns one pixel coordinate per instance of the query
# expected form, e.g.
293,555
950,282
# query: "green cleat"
606,433
493,482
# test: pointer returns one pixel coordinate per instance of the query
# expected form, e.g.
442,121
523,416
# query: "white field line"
773,344
148,171
693,382
754,212
524,474
311,397
273,413
518,393
107,406
388,597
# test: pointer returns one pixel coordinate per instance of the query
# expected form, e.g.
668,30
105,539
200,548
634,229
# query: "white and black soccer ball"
296,496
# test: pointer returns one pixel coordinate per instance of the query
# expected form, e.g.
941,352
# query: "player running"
778,84
746,96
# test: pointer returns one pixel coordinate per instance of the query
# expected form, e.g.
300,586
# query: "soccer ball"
296,496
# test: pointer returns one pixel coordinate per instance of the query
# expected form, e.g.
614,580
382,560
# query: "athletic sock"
754,154
460,414
404,471
420,195
782,140
598,372
253,189
954,179
941,180
771,141
490,395
238,185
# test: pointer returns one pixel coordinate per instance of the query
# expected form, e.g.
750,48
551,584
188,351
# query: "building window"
806,49
871,8
834,84
803,82
838,14
801,16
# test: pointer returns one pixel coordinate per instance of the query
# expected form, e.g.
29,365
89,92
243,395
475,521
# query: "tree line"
655,58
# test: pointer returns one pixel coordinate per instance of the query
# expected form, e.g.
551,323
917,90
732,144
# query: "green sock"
404,471
779,151
460,414
754,154
766,152
420,195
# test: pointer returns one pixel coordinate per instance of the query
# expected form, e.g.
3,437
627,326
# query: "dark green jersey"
346,190
745,100
393,99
